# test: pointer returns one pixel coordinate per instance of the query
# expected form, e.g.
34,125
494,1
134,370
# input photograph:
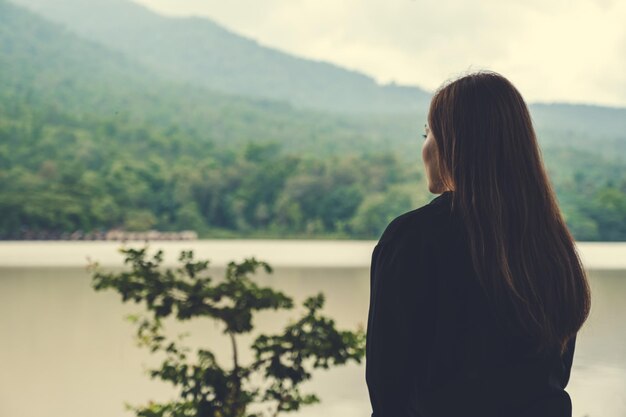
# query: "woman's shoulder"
426,221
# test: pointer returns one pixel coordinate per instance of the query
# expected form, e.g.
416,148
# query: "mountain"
48,69
590,120
92,138
199,51
60,67
597,129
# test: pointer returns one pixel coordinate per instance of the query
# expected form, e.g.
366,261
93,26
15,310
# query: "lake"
66,350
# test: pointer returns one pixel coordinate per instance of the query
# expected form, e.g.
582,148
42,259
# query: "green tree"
207,389
608,210
377,211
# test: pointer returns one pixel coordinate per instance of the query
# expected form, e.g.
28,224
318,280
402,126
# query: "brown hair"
521,249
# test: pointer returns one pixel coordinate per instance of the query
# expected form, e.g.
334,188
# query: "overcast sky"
553,50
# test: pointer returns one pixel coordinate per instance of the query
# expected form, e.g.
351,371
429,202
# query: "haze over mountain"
48,69
202,52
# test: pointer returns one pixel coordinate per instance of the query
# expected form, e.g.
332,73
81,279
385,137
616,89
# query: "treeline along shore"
109,235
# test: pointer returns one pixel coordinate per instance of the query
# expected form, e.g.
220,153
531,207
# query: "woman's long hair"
520,246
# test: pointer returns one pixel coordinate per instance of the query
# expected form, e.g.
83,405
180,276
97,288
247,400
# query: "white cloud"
558,50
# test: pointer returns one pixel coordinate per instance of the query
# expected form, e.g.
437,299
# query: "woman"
476,298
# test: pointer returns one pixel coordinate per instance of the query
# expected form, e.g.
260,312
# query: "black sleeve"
391,331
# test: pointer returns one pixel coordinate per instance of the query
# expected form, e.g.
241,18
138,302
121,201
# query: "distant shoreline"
304,253
109,235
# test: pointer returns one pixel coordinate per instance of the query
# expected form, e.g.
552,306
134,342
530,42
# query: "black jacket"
434,349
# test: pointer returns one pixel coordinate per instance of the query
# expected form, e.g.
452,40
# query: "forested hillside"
92,139
202,52
89,139
46,66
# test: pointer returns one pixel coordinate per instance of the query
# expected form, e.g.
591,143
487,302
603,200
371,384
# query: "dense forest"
64,175
91,139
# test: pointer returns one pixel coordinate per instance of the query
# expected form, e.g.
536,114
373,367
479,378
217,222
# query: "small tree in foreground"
206,389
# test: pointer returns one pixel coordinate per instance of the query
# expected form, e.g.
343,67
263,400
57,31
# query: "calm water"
66,351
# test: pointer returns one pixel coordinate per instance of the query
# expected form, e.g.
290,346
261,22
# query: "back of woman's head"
522,251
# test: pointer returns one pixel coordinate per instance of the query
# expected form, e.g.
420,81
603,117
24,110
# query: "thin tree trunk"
236,407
